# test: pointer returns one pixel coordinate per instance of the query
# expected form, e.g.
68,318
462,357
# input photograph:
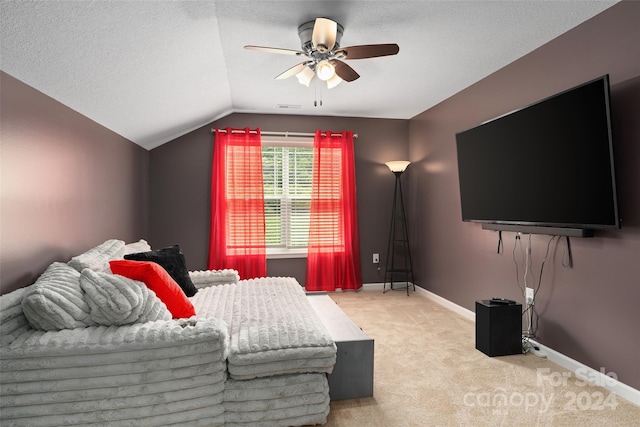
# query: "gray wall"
588,312
68,184
181,173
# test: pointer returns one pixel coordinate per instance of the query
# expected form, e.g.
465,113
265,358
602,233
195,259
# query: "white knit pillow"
117,300
97,259
204,278
135,247
55,301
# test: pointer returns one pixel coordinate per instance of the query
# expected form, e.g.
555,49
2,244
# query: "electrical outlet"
376,258
529,294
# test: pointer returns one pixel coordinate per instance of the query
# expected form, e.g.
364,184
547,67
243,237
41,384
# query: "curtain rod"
278,133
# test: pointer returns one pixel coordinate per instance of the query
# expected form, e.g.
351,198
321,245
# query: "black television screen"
549,164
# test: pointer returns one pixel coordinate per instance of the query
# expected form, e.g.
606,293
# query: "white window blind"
287,167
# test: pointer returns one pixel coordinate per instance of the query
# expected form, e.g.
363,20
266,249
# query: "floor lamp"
398,253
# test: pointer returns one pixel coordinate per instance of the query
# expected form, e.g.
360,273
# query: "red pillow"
159,281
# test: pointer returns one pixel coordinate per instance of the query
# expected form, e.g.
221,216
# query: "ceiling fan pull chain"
315,94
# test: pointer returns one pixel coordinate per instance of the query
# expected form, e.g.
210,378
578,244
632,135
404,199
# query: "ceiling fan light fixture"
325,70
333,81
324,34
305,76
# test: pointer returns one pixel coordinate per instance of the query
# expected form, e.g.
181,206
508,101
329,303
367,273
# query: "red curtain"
237,233
333,259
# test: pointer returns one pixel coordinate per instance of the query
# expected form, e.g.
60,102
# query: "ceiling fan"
324,57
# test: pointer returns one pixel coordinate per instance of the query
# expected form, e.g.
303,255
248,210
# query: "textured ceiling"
154,70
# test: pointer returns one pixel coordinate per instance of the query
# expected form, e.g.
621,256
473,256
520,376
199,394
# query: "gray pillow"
139,246
55,301
97,258
118,300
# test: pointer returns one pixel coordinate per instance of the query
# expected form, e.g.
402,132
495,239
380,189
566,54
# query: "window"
287,168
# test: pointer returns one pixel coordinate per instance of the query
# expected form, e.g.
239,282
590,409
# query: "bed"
254,354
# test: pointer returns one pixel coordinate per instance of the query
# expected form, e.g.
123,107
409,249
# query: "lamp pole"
398,235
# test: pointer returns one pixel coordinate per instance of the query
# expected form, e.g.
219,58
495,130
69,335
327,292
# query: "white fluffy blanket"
272,326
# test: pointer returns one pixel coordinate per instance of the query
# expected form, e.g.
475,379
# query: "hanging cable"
515,261
527,262
546,254
530,311
567,255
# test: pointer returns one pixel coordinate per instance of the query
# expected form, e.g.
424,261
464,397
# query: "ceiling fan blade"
368,51
344,71
292,71
324,34
276,50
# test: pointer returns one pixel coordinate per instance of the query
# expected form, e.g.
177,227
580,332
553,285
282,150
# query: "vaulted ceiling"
154,70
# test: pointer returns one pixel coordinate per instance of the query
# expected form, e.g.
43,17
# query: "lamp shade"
398,165
325,70
305,76
333,81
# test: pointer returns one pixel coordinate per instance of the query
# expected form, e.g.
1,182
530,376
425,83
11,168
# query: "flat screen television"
547,168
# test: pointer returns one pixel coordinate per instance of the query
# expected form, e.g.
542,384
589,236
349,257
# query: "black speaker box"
498,328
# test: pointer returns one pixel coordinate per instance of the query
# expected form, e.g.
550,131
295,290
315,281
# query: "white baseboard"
425,293
589,374
370,286
579,369
447,304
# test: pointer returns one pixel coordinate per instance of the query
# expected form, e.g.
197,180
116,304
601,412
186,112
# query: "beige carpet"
428,373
